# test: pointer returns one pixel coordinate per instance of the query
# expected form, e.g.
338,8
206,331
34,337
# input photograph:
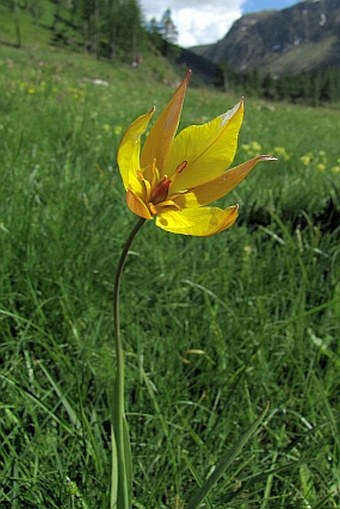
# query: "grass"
213,328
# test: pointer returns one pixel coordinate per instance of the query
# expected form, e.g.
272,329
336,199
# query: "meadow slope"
213,328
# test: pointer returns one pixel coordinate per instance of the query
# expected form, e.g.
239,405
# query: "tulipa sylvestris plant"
172,179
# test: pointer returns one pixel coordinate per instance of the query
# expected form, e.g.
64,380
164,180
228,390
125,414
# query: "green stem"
121,460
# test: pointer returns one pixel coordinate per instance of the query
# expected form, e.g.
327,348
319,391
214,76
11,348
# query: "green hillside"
37,40
213,328
47,25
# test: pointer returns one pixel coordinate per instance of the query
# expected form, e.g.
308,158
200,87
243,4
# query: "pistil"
161,191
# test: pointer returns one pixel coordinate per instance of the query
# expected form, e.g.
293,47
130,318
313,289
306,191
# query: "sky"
206,21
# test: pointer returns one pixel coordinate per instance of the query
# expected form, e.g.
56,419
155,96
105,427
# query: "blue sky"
206,21
261,5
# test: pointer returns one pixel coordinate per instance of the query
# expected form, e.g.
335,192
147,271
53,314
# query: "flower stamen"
161,191
180,168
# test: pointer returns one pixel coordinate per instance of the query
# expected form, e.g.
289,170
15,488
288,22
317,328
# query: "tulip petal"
207,150
185,200
129,149
200,222
136,205
159,140
223,184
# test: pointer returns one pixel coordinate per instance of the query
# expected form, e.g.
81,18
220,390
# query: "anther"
181,167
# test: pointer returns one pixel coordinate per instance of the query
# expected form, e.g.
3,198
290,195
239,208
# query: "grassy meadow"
213,327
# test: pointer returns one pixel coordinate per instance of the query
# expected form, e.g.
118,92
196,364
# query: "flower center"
156,193
160,193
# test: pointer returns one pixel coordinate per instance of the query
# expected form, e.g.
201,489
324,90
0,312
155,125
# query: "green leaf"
128,460
114,471
225,462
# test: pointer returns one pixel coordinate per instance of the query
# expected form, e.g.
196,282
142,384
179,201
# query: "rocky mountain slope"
301,38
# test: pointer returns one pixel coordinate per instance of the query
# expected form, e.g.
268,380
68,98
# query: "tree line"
104,28
313,87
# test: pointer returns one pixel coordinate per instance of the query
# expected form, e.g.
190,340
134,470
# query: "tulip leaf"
225,462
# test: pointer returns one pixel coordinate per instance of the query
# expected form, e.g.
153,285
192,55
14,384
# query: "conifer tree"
168,28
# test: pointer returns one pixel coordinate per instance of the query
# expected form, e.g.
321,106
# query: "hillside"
304,37
46,26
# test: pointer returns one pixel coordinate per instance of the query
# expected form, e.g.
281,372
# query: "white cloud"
197,21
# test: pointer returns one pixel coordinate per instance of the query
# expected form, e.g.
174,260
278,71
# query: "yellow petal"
129,149
163,131
200,222
184,200
136,205
207,149
223,184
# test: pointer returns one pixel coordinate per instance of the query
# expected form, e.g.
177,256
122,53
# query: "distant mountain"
304,37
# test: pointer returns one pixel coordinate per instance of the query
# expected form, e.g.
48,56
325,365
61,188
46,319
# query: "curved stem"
118,277
121,479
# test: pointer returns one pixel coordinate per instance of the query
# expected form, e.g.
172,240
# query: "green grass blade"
68,407
225,462
128,461
114,471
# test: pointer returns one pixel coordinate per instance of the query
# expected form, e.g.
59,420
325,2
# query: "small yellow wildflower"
307,159
173,177
255,147
117,130
335,169
247,252
282,153
321,167
245,147
252,149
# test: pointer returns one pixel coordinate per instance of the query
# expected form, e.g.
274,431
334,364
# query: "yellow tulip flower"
172,177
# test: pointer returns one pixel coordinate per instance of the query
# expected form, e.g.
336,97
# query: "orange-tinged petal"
223,184
200,222
129,149
158,142
136,205
207,149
